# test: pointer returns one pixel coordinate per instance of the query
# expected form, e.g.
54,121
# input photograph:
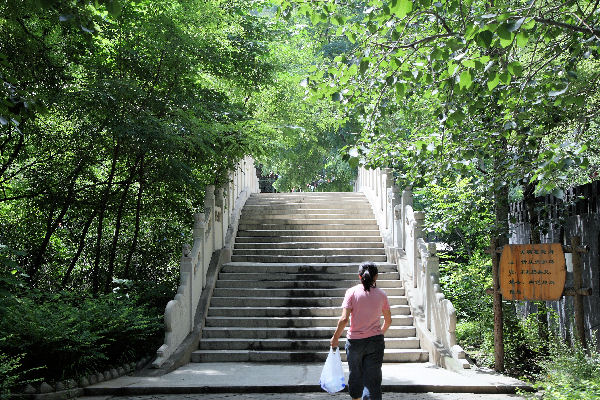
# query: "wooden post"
577,284
498,317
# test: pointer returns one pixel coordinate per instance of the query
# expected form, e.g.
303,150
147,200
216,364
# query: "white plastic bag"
332,377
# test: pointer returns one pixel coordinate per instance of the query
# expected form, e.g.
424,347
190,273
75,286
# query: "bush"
570,373
67,335
464,284
9,373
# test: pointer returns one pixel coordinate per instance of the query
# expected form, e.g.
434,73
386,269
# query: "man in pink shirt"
363,306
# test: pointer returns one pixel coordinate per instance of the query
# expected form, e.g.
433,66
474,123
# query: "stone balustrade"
418,265
214,229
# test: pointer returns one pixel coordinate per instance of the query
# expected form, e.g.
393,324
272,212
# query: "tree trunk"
501,208
102,210
136,232
53,224
115,241
13,155
80,247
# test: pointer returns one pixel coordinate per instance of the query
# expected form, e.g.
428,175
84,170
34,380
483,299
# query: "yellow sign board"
532,271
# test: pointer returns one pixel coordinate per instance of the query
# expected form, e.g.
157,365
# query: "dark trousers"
365,357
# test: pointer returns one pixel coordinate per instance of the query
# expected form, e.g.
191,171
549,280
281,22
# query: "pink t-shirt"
367,308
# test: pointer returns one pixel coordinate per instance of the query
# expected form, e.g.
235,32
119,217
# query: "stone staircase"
280,297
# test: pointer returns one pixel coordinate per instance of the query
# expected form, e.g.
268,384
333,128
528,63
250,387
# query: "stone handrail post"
213,230
418,265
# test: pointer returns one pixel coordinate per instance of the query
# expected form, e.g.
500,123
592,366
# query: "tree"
116,115
490,83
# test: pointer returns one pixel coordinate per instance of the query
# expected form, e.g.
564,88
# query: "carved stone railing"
214,229
418,265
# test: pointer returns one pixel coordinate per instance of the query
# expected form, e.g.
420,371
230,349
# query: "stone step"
301,284
299,208
310,252
310,203
295,344
309,239
290,302
278,212
292,333
308,259
303,267
282,276
310,226
286,322
310,245
325,221
291,293
290,311
391,355
305,196
304,232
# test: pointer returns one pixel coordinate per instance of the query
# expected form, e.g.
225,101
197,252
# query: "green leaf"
504,32
522,39
513,26
515,68
401,7
353,161
505,78
465,80
353,70
351,36
436,54
364,66
484,39
114,8
452,68
529,24
493,81
400,89
457,116
336,96
468,63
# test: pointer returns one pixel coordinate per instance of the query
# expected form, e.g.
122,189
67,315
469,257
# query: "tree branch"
564,25
416,43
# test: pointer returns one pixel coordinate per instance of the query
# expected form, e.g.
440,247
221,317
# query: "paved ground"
247,378
313,396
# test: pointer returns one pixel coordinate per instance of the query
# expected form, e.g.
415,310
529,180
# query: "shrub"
570,373
66,335
9,373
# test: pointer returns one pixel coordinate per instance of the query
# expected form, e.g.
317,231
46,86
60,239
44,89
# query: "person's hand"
334,342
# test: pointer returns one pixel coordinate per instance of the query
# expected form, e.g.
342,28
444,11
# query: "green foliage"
458,214
464,284
63,335
570,373
115,116
9,375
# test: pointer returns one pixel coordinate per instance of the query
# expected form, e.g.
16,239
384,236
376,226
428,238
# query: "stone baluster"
186,271
218,223
406,200
199,233
431,267
209,207
416,229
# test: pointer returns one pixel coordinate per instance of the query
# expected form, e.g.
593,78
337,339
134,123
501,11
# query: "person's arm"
387,320
342,322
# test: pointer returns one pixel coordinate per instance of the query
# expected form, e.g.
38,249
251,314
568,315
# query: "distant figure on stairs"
363,305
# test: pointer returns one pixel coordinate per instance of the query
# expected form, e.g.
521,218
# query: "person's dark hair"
367,272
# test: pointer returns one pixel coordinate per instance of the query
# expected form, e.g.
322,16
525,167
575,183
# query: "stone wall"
577,215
